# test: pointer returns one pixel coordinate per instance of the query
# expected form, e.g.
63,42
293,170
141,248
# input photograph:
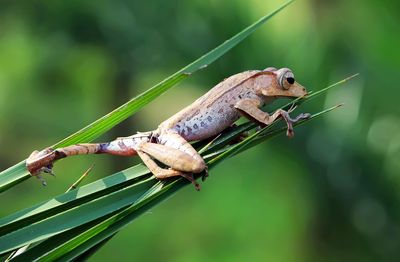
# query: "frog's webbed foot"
41,179
190,177
47,170
250,109
42,162
290,121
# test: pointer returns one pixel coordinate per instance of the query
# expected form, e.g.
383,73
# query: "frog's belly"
206,125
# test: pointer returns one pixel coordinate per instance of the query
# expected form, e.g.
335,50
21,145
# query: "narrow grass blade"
77,182
324,90
73,199
72,187
74,217
13,176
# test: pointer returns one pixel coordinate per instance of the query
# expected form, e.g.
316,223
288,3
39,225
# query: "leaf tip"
350,77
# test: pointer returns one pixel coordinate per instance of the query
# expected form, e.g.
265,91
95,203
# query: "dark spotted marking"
202,124
209,118
195,126
192,115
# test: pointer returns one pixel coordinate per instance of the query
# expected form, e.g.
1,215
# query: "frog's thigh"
173,157
171,138
160,173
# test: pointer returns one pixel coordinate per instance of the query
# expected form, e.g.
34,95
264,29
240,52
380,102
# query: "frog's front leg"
250,109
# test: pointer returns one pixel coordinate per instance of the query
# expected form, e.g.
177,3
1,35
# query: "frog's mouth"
296,90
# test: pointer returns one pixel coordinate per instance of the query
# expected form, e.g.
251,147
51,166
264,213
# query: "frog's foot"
42,161
290,121
190,177
41,179
205,174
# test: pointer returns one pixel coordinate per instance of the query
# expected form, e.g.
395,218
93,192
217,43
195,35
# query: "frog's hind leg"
43,161
163,173
174,151
174,158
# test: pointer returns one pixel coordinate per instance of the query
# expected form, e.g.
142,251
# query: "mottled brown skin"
239,95
215,110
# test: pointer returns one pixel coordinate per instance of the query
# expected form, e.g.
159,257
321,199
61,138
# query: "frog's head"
283,84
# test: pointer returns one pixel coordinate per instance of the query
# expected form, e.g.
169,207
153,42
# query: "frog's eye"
286,78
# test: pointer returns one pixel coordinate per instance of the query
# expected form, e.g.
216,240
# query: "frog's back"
212,112
227,85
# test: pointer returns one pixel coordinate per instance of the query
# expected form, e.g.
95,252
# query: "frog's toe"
49,170
205,174
42,180
190,177
44,170
290,132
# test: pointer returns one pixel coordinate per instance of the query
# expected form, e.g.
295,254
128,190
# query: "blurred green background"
329,194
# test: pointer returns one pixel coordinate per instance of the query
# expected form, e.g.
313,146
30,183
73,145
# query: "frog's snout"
297,90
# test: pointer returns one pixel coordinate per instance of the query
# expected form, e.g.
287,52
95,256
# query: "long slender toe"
48,169
42,180
205,174
192,180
